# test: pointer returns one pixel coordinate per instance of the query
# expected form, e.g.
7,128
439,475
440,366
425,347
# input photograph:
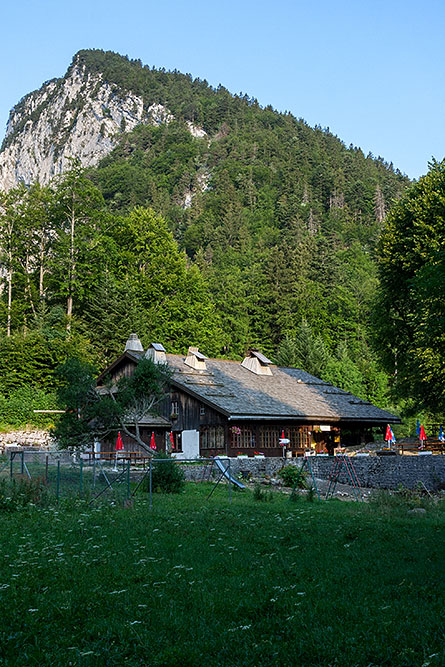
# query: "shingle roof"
288,393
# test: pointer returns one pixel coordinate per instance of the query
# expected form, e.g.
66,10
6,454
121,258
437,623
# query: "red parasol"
172,440
152,441
388,434
119,443
422,434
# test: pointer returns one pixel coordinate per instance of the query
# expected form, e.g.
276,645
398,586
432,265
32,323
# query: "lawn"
201,582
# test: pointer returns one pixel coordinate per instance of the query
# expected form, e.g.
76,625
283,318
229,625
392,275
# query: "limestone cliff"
78,116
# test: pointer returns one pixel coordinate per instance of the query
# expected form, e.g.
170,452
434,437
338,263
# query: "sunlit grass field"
201,582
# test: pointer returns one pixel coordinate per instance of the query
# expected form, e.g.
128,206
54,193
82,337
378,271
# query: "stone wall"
27,439
386,472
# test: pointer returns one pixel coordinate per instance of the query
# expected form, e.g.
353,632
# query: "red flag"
172,440
388,434
152,441
422,434
119,443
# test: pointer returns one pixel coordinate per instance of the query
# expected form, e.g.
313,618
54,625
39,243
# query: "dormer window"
156,352
196,359
257,363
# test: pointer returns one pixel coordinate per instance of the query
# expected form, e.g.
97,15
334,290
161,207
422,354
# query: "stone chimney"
196,359
133,344
156,352
257,363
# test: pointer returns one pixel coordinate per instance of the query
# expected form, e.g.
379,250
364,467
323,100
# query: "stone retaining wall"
386,472
37,439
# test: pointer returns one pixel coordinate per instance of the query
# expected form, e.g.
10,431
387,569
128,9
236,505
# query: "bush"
167,476
261,495
18,493
290,474
17,407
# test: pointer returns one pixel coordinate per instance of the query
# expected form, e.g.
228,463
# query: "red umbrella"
422,434
152,441
119,443
172,440
388,434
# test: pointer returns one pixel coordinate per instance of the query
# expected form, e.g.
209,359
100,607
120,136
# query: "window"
177,437
212,437
242,437
202,410
174,410
269,437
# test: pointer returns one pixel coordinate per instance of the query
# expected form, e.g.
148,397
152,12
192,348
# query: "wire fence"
95,478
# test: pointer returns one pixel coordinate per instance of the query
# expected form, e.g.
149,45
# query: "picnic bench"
119,455
434,446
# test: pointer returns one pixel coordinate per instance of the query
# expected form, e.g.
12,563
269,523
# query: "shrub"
290,474
261,495
18,493
167,476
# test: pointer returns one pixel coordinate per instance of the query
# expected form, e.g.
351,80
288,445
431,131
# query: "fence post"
58,482
11,463
230,484
94,471
128,479
46,469
81,476
149,486
22,462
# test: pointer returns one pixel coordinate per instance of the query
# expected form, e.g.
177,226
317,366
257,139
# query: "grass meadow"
193,581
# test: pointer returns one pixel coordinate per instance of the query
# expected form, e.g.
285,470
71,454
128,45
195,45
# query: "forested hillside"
253,229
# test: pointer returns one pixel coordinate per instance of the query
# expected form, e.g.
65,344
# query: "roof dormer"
257,363
156,352
196,359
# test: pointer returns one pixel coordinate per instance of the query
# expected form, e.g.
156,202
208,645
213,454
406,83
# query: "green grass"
201,582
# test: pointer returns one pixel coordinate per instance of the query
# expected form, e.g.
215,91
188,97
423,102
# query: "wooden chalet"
215,406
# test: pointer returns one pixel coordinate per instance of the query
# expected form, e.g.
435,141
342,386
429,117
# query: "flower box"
242,456
425,453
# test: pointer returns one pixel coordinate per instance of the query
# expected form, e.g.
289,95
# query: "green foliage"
290,475
18,494
16,408
410,326
167,475
262,495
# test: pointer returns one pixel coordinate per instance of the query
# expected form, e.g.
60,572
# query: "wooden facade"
223,407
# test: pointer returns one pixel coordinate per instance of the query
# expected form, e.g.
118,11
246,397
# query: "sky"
372,71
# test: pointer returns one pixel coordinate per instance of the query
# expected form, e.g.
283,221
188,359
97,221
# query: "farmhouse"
215,406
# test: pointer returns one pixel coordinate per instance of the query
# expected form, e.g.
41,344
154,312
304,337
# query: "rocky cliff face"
79,116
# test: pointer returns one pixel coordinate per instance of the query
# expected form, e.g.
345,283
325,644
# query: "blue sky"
370,70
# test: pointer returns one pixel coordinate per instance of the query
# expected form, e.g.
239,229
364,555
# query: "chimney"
196,359
156,352
133,344
257,363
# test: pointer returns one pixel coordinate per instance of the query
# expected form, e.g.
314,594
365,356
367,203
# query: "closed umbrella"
152,441
172,441
119,443
118,447
422,436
